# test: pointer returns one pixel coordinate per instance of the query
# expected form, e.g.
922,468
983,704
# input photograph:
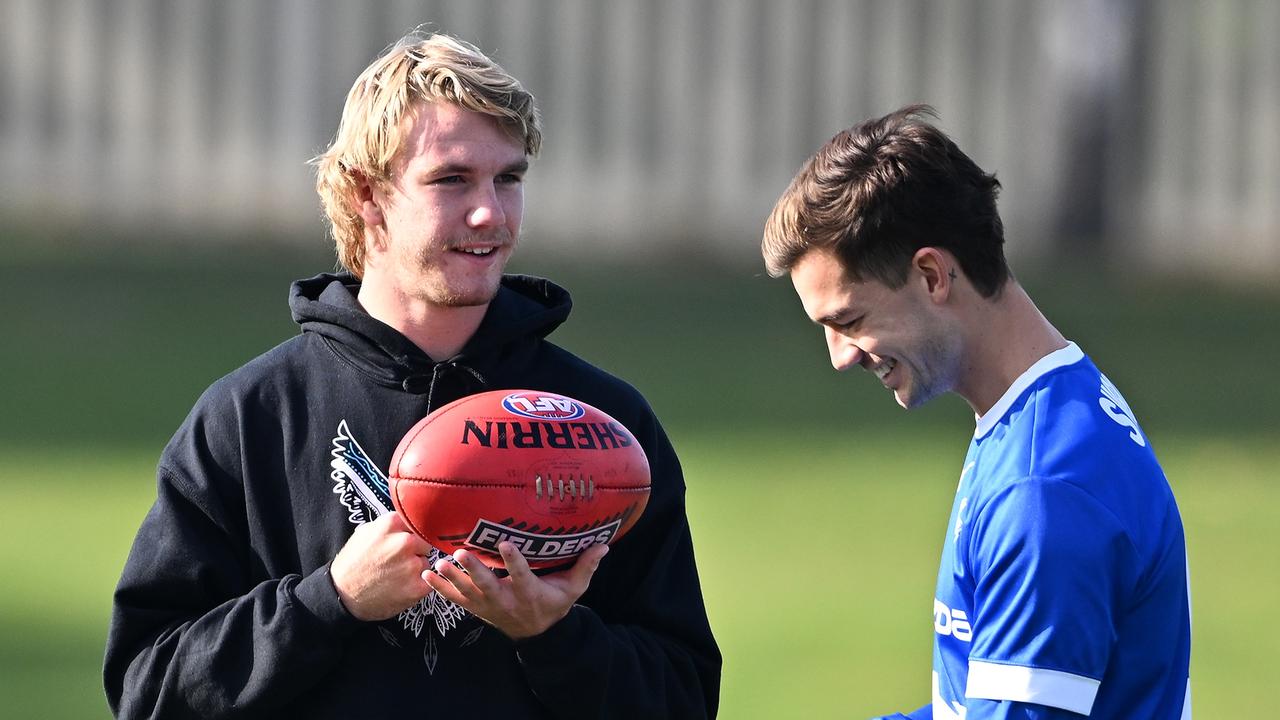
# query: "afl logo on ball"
542,406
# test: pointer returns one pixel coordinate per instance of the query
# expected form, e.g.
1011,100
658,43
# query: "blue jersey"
1063,580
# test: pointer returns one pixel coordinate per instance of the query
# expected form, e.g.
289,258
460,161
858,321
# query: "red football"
549,473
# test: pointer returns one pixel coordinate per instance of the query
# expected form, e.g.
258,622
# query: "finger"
393,521
394,524
446,589
456,577
579,576
416,545
481,576
427,566
516,564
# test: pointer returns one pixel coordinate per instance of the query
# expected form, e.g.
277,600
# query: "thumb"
581,572
394,522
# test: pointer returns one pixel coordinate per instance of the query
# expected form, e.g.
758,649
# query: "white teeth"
883,369
477,251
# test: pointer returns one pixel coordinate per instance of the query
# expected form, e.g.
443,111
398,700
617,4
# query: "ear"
367,206
937,270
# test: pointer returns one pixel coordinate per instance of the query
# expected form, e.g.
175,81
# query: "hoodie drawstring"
414,383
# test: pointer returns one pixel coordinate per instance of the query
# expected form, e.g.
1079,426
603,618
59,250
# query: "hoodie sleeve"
193,633
639,644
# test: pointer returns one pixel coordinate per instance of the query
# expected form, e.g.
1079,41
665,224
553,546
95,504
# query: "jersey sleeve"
1050,565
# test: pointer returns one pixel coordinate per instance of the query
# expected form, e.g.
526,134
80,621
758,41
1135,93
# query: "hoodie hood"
525,310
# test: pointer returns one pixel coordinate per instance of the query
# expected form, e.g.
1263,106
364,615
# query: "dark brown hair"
881,190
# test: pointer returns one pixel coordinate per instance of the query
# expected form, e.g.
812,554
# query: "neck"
439,331
1008,335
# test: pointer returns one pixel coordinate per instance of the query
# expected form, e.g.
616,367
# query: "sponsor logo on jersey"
1113,404
488,534
953,623
539,406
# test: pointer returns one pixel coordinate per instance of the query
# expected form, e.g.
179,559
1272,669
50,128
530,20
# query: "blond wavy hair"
418,68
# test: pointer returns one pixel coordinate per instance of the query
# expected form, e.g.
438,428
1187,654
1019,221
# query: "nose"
844,353
486,212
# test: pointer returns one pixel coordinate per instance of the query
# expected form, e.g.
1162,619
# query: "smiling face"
899,335
441,230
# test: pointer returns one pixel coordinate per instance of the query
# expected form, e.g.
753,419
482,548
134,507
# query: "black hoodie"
226,608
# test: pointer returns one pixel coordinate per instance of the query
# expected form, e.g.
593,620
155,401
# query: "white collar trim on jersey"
1068,355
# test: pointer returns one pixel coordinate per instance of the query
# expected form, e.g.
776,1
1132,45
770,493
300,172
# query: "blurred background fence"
1121,129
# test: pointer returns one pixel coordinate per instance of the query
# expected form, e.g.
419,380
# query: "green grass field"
818,506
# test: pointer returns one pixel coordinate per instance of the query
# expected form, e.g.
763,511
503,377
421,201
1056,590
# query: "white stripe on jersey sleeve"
992,681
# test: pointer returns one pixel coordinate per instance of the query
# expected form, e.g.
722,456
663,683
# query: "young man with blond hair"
272,578
1062,591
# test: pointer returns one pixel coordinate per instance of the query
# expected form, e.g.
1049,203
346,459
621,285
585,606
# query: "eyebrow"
520,166
834,317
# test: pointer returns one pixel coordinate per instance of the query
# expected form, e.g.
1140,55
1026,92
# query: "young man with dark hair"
1062,590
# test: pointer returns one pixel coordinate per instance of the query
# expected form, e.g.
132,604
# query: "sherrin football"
549,473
